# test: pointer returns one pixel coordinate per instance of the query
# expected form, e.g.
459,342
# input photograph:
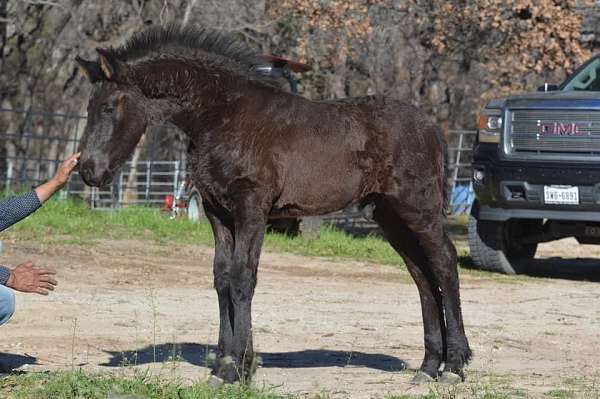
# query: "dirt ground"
346,328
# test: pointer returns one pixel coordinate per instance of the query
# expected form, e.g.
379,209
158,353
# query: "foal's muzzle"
92,175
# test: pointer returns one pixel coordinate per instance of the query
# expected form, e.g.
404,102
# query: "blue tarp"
462,198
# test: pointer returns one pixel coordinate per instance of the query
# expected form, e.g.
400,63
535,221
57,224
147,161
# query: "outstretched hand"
30,278
45,191
64,170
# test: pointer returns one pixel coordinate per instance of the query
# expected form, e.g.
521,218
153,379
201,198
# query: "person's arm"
15,209
4,275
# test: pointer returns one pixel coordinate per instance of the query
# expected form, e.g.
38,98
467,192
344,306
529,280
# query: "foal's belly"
318,186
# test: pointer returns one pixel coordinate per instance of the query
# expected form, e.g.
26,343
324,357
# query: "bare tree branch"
188,11
47,3
164,13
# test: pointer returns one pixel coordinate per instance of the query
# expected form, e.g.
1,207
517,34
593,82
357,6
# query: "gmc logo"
553,129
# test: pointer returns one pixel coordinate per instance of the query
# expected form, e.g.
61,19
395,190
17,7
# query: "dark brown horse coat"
259,151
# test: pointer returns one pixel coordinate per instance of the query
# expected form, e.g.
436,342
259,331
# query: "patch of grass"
560,394
578,387
457,225
68,222
479,385
333,243
74,223
78,384
59,222
453,394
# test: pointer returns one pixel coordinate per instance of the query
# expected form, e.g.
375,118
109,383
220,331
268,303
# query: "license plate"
561,195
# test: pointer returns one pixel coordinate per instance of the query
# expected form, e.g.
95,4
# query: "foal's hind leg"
444,264
442,261
406,244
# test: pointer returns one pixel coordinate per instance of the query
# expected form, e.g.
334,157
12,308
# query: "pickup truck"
536,172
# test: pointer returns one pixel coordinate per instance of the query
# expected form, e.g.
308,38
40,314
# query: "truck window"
588,79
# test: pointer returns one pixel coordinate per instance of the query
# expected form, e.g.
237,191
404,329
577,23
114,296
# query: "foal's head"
117,118
135,84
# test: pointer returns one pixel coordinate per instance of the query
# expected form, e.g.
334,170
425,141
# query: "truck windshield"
586,79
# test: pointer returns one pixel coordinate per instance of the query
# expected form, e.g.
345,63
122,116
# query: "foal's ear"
90,69
112,68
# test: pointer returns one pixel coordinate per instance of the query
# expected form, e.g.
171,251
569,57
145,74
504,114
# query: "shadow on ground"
10,361
199,355
577,269
581,269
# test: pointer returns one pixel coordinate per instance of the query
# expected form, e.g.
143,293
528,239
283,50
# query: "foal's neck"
184,91
200,97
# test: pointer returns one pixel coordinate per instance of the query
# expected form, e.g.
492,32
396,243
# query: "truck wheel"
495,246
195,211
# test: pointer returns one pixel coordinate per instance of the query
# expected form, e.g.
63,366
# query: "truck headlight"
490,128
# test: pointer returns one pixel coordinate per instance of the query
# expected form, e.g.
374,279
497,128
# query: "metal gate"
33,143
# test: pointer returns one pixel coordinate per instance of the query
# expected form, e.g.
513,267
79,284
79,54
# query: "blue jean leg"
7,304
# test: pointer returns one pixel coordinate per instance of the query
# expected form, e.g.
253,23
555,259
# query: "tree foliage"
511,39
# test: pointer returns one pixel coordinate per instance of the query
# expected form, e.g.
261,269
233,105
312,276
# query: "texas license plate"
568,195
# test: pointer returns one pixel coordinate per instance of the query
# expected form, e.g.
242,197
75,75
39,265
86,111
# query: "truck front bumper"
508,189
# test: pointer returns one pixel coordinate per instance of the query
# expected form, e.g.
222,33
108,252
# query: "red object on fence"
168,204
279,62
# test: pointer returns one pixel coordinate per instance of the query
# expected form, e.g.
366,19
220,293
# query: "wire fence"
33,143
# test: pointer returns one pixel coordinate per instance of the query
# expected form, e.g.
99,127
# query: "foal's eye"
107,109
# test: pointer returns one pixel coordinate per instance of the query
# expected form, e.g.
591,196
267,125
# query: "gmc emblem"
554,129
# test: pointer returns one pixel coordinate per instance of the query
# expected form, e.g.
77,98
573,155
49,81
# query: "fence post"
121,195
456,166
9,176
151,164
114,192
148,165
25,132
175,179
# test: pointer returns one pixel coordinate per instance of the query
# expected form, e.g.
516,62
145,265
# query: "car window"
587,79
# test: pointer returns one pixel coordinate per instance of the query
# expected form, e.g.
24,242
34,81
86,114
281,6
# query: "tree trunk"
130,194
338,80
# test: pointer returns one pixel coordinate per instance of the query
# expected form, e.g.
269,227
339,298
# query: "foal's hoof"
215,382
421,378
226,370
449,377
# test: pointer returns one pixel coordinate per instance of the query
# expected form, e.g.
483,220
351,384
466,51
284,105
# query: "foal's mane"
188,42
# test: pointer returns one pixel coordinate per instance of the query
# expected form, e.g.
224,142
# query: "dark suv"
536,171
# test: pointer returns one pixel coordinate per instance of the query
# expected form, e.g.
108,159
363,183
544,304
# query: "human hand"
30,278
64,170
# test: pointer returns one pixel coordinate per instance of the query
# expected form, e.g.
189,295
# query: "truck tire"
495,246
195,211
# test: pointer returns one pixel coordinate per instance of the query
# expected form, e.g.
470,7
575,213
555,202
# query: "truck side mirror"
547,87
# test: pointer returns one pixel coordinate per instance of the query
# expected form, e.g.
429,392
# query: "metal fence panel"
33,144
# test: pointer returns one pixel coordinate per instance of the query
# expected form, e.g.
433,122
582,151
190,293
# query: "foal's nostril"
87,168
106,178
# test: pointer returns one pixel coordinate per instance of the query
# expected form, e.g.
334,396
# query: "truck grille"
553,132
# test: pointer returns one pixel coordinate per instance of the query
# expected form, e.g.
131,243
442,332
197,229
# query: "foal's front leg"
249,234
223,234
236,289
